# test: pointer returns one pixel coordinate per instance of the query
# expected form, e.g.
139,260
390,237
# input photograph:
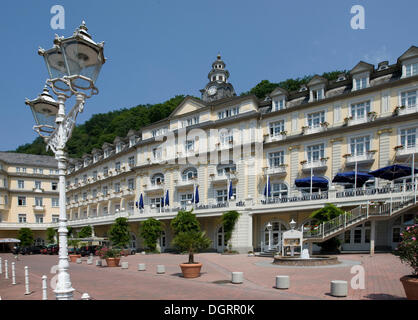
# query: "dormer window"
131,141
158,132
360,82
95,158
317,94
228,113
107,153
118,147
190,121
86,162
278,104
411,69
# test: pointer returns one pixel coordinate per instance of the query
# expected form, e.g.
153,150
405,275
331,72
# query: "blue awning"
317,182
393,172
350,177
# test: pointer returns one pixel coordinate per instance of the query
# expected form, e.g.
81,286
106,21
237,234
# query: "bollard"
1,266
85,296
98,263
141,267
339,288
6,269
78,260
13,273
44,288
27,280
160,269
90,261
282,282
124,265
237,277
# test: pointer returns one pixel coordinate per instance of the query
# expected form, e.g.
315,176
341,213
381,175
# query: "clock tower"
218,86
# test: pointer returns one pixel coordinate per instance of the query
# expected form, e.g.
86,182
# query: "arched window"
279,190
189,174
157,178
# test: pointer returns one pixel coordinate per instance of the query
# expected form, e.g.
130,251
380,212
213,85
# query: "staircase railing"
361,213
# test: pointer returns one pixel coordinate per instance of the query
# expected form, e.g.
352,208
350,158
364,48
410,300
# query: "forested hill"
105,127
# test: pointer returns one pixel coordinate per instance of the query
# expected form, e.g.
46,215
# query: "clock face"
212,90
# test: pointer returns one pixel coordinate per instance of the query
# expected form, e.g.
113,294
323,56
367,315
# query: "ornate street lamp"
73,66
292,224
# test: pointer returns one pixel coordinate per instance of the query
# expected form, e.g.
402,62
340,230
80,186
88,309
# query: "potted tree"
188,237
112,256
150,231
407,252
119,234
74,255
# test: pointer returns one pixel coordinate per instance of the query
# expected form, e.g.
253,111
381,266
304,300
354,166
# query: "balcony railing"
408,109
367,157
279,170
154,187
272,138
314,164
38,208
406,151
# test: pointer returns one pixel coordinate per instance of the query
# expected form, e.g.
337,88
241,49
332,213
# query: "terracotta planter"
410,285
74,257
112,262
190,270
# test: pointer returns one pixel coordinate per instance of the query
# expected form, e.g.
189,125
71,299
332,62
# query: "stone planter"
112,262
74,257
410,285
191,270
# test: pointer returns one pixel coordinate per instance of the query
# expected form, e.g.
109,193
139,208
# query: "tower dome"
218,86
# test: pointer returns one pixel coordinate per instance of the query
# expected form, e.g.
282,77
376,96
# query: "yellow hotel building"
229,148
28,194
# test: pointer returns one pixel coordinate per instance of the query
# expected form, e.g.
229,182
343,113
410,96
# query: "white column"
13,272
372,236
6,269
44,288
27,281
1,266
250,232
63,290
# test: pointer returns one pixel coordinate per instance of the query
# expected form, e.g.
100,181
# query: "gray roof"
28,159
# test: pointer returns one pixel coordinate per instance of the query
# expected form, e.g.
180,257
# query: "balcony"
128,192
185,183
315,129
361,159
320,164
116,194
154,187
351,121
272,138
38,190
223,177
403,152
38,208
276,171
408,109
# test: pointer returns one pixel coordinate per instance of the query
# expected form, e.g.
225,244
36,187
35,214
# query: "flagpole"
355,178
311,180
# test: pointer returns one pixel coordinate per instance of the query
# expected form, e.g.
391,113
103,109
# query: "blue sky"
157,49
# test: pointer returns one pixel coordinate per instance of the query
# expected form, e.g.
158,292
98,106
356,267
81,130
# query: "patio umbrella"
9,240
317,182
267,188
350,177
167,199
141,202
196,198
393,172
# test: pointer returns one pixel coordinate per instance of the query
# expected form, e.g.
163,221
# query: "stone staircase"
384,209
267,253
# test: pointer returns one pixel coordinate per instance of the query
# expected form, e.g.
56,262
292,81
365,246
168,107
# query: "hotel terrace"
366,119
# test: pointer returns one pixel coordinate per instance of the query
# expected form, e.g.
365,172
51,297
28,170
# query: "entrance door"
163,241
220,240
277,229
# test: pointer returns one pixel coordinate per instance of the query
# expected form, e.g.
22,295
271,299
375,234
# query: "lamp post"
269,228
73,66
